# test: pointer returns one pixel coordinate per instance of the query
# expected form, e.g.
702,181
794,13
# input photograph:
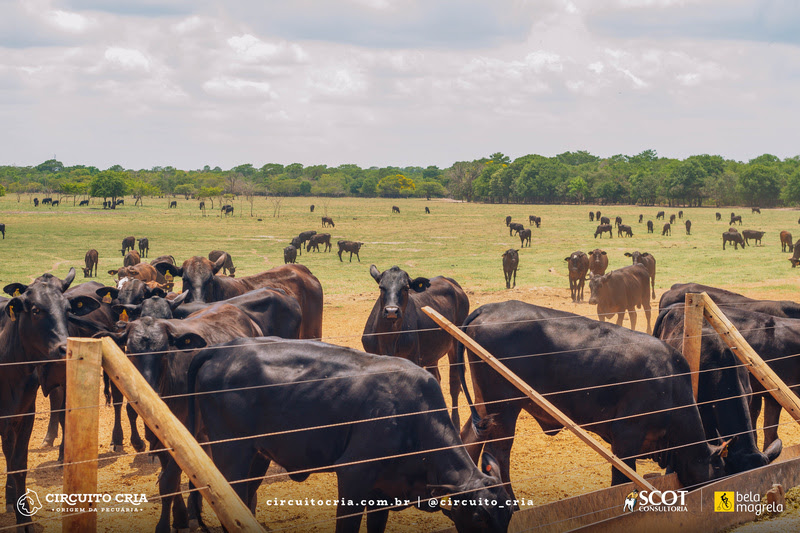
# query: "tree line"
570,177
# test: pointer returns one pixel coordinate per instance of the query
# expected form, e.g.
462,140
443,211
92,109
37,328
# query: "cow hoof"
117,448
153,459
194,525
47,443
139,447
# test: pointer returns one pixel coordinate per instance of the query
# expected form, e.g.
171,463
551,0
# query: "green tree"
2,190
758,184
186,189
791,191
108,184
395,186
578,189
209,193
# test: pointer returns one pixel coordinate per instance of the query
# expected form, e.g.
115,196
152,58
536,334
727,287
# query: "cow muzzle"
391,312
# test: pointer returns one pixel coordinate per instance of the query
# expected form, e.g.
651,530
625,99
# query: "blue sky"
393,82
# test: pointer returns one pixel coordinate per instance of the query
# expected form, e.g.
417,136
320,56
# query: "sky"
188,83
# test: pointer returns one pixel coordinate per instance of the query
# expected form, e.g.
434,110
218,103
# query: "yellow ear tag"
123,315
188,341
11,314
168,276
16,292
80,304
107,298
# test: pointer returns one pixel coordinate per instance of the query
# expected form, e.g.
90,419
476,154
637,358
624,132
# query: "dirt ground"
544,469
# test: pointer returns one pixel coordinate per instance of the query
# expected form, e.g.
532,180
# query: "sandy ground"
544,469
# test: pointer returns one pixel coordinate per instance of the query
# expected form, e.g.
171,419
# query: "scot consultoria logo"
630,501
28,504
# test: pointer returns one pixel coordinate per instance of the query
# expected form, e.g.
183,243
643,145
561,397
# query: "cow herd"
228,346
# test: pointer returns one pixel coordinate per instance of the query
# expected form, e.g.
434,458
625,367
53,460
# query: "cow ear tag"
188,341
724,452
123,316
107,298
16,292
168,276
11,314
80,304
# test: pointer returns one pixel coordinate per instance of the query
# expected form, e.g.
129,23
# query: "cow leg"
116,434
455,387
56,403
258,469
235,461
647,316
515,278
136,439
169,481
772,414
626,441
376,519
621,317
15,449
755,408
632,315
501,435
353,483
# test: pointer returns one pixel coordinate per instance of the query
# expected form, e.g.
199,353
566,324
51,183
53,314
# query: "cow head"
87,272
41,312
574,260
477,514
198,275
155,307
701,463
395,284
597,286
634,256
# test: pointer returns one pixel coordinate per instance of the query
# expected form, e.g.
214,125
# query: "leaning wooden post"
742,349
81,429
540,400
693,336
232,513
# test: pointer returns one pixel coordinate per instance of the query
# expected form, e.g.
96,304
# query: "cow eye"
35,310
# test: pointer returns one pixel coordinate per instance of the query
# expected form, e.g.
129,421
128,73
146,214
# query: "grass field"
461,240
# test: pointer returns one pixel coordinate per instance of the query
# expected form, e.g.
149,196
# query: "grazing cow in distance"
427,210
622,290
297,244
91,262
3,230
666,230
754,235
131,258
46,201
578,266
649,262
227,266
395,209
719,216
755,210
510,264
302,238
680,214
525,236
597,215
660,215
533,219
397,326
605,220
649,226
227,209
173,204
795,259
312,208
508,220
672,219
121,201
732,236
202,206
328,221
35,202
144,246
55,203
624,230
289,255
688,225
598,262
617,221
83,202
602,228
737,218
350,246
127,244
514,228
316,240
368,420
591,216
641,217
786,242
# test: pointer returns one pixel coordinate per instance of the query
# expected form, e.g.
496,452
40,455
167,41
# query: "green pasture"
461,240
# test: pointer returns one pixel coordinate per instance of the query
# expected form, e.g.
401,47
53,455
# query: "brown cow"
752,234
649,226
795,259
602,228
227,266
510,264
605,220
591,216
203,285
786,241
525,236
328,221
350,246
578,266
508,220
142,271
624,230
131,258
597,215
649,263
688,224
666,230
91,261
732,236
127,244
680,214
598,262
514,227
316,240
144,246
617,221
737,218
660,215
533,219
395,209
622,290
719,216
289,254
672,219
755,210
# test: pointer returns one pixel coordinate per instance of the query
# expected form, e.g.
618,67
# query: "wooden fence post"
693,336
81,429
232,513
540,400
745,353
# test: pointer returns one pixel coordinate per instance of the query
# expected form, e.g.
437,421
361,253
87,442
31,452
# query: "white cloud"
71,22
127,58
251,48
235,87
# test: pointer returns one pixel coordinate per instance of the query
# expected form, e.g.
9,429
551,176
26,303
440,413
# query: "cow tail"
197,362
462,366
107,388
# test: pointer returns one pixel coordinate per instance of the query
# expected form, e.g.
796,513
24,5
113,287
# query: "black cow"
394,324
533,219
666,230
617,221
737,218
755,210
227,209
619,291
328,221
202,206
33,327
514,227
144,246
395,209
602,228
727,299
525,236
302,238
83,202
578,266
641,217
680,214
508,220
173,204
688,225
312,208
289,254
3,230
121,201
46,201
427,210
756,236
624,230
605,220
200,281
734,237
554,351
591,216
660,215
91,261
649,226
597,215
127,244
345,392
672,219
55,203
320,238
350,246
649,263
724,392
227,266
168,373
510,264
719,216
35,202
